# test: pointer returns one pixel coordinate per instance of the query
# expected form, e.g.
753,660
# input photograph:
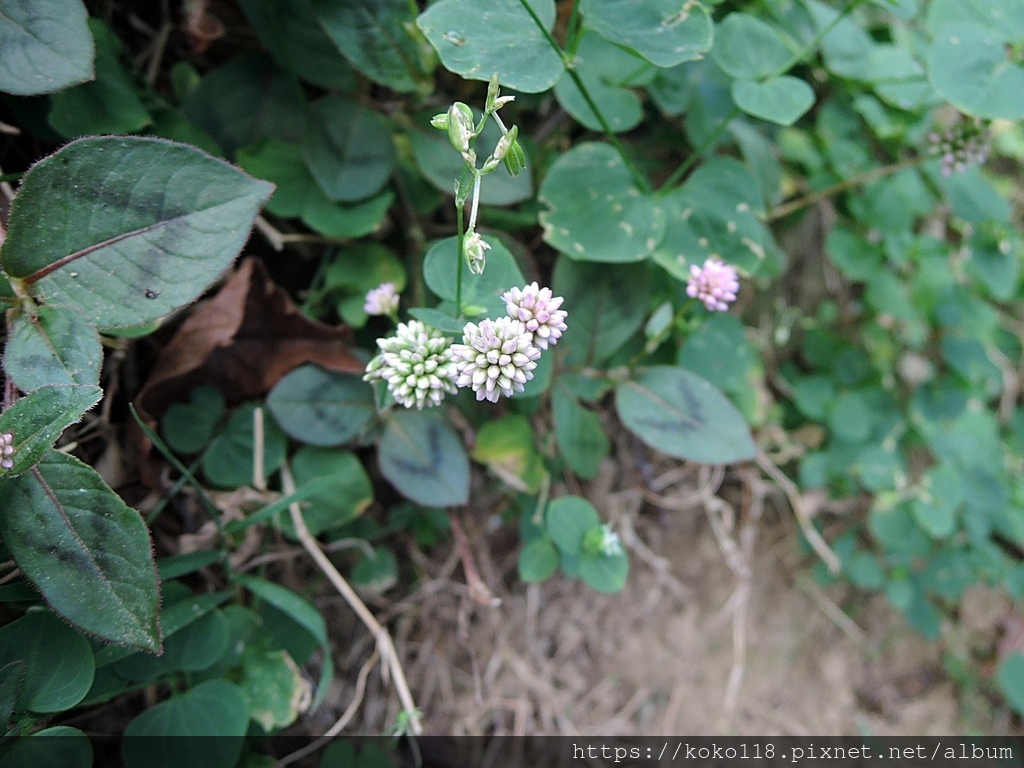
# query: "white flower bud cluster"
382,300
6,450
496,357
417,365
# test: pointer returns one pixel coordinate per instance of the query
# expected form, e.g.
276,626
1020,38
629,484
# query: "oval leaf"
58,747
321,407
746,47
46,43
502,273
681,414
38,419
348,149
52,345
59,666
568,519
538,560
421,455
169,734
86,551
155,224
968,64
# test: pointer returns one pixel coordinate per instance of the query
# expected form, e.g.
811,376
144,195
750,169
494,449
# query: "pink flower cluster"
715,284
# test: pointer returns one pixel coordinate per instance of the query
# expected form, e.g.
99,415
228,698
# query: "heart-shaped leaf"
665,32
476,39
595,213
780,100
321,407
748,48
421,455
681,414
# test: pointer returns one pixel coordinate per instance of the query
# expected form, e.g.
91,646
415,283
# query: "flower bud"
474,250
501,150
515,159
440,121
460,126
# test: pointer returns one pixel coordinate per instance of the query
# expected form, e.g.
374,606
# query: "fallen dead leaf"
242,341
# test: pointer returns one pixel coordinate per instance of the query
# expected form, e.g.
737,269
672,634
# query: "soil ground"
657,658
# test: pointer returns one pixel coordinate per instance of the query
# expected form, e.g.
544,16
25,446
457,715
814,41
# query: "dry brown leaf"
242,341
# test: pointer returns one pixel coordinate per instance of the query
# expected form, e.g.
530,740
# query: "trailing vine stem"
638,178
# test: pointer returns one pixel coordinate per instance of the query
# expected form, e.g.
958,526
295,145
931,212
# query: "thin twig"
346,716
796,502
272,233
478,590
389,656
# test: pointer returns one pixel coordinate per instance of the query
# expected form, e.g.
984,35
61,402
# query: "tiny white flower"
6,450
496,358
611,544
475,248
417,365
382,300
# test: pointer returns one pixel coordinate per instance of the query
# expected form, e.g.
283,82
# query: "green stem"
719,129
572,29
638,179
458,264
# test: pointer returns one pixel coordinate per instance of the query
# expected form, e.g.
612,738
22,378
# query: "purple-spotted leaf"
84,549
152,225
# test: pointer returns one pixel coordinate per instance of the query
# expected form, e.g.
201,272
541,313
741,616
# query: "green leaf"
477,39
714,215
348,149
485,290
568,519
188,427
847,47
12,678
302,612
942,494
246,100
174,617
664,32
595,213
374,36
60,746
46,45
1005,18
601,66
38,419
86,551
969,65
355,270
321,407
108,104
601,322
298,193
169,734
748,48
196,647
161,222
441,321
899,78
173,566
292,34
376,572
52,345
681,414
421,455
581,438
1010,679
274,687
347,493
441,165
228,459
507,447
59,666
604,573
538,560
781,100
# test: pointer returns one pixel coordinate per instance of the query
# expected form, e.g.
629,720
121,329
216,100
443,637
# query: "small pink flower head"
382,300
496,358
6,450
538,311
715,284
